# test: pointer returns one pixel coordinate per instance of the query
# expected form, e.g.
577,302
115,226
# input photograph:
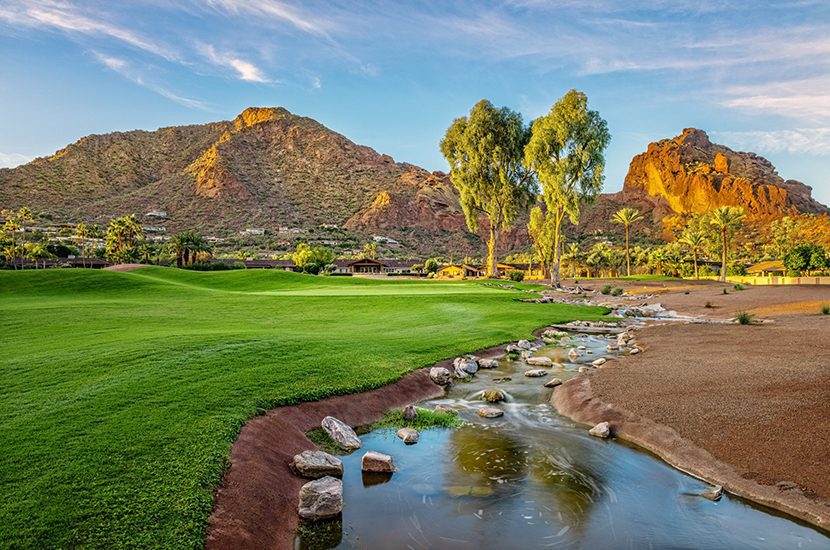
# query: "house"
366,265
768,268
531,271
459,271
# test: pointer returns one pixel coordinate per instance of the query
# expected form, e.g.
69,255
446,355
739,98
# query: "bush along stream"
512,473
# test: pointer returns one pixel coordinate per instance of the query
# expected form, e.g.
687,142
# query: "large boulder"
602,430
524,344
490,412
321,499
539,361
440,376
410,413
341,433
317,464
409,436
493,395
374,461
488,364
464,367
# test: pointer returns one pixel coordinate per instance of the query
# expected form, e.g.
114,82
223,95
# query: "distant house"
257,231
161,214
768,268
459,271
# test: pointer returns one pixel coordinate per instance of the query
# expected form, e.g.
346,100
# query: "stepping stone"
490,412
321,499
374,461
535,373
539,361
317,464
408,435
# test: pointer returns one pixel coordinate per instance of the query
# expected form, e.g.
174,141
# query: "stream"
535,479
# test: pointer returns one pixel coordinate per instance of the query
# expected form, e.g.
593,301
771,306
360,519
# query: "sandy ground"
755,399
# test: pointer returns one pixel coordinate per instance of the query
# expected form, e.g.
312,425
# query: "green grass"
121,393
745,318
426,419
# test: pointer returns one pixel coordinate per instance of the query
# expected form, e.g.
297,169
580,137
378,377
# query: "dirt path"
747,407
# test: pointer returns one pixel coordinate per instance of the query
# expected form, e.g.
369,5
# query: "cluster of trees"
500,167
313,259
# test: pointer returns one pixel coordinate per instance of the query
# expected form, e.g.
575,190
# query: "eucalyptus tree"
726,220
566,151
695,242
484,151
540,228
627,217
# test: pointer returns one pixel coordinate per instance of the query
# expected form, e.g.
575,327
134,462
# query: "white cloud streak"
245,70
812,141
10,160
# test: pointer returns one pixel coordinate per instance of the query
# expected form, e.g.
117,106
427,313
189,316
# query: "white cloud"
10,160
316,83
245,69
279,11
805,99
812,141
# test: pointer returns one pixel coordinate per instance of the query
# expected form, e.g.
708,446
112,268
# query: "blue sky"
393,75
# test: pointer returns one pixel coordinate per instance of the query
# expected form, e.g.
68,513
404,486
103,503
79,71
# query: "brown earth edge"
575,400
256,503
740,409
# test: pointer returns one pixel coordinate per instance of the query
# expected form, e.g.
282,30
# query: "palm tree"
626,217
14,222
573,257
122,235
726,220
83,234
695,242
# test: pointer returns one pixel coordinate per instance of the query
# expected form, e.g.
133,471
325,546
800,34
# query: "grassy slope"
121,393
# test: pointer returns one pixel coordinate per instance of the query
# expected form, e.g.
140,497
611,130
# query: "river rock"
445,409
540,361
603,430
464,367
553,382
535,373
524,344
714,494
583,369
374,461
488,364
494,395
321,498
317,464
440,375
634,351
410,413
599,362
408,435
581,348
573,354
341,433
490,412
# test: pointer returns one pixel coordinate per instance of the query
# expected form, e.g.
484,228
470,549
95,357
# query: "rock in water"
573,354
317,464
603,430
490,412
535,373
540,361
440,375
410,413
321,498
714,494
488,364
553,382
494,395
634,351
341,433
408,435
599,362
377,462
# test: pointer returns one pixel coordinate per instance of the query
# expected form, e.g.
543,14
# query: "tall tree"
14,223
567,153
726,220
485,151
84,233
122,236
695,242
540,228
627,217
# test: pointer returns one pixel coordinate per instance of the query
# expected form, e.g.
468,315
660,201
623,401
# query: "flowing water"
534,479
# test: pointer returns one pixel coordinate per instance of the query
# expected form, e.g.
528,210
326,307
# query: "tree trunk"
627,254
697,275
723,257
557,257
492,267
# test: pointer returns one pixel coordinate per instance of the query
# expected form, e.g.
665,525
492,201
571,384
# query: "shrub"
744,317
606,289
738,286
708,305
617,292
825,309
516,275
725,291
214,266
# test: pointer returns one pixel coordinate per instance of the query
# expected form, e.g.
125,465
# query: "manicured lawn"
121,393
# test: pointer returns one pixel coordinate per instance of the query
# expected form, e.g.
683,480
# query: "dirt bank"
256,504
747,407
125,267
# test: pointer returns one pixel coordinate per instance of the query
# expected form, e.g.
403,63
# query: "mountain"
267,168
689,174
288,174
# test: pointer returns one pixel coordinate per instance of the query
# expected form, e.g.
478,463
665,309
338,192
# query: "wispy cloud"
813,141
805,99
245,69
10,160
125,69
279,11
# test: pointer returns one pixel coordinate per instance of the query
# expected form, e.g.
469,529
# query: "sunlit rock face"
690,174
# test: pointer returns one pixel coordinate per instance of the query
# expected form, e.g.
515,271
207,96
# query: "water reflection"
533,479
